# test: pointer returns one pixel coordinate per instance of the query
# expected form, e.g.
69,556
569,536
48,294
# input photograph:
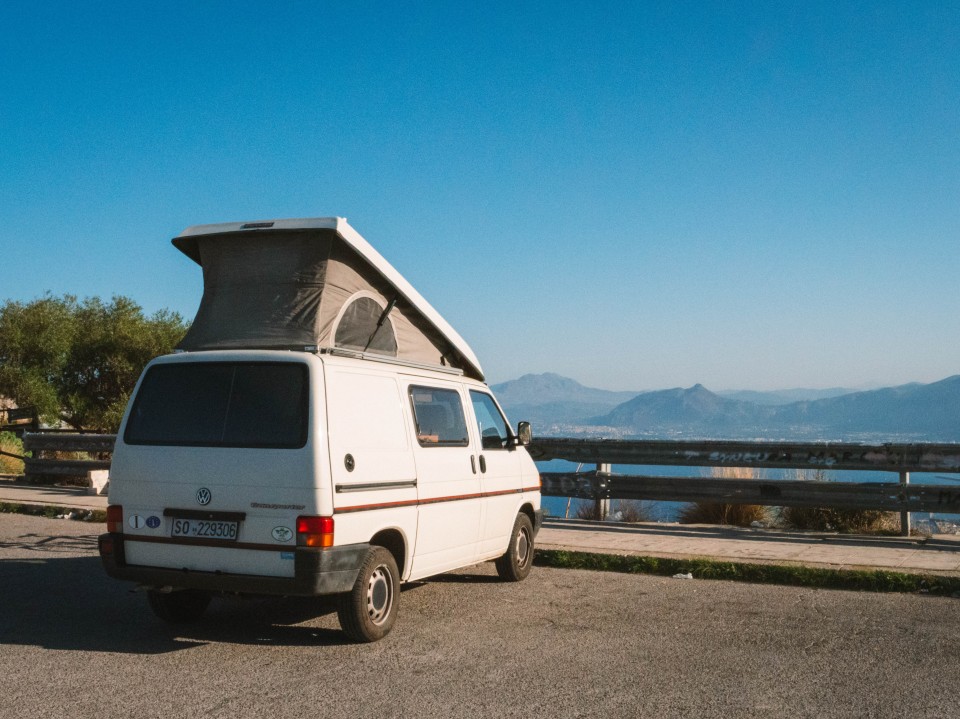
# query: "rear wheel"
367,612
516,562
179,607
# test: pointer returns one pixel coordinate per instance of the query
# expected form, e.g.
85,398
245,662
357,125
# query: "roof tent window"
365,326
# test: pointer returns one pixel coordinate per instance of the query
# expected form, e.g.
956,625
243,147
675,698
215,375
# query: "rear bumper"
316,571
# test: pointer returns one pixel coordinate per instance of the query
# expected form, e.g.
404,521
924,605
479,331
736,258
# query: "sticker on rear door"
282,534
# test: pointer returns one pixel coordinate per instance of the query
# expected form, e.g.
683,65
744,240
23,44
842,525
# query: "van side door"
448,485
500,471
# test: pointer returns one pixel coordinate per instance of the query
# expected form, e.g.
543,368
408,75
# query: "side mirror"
524,433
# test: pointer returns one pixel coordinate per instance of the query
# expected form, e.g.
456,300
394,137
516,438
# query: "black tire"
516,562
179,607
367,612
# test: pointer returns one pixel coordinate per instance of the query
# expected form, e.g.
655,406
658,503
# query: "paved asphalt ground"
564,643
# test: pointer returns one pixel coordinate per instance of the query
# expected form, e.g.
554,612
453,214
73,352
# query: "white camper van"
321,430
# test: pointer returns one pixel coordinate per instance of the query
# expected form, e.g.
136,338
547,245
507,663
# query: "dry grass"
589,510
737,515
632,510
628,510
10,443
844,521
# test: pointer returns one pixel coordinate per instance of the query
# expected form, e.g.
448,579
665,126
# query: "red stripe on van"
431,500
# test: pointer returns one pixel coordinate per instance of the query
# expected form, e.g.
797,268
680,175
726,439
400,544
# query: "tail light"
115,518
314,531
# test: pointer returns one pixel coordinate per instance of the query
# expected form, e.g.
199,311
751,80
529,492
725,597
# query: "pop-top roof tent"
292,284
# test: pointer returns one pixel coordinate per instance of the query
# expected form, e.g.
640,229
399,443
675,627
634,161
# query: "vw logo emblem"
204,496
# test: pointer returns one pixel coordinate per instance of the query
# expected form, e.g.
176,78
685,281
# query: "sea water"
669,511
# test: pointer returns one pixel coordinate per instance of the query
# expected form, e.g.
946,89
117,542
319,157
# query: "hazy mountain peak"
540,389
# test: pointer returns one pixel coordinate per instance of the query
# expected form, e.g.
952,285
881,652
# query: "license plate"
205,529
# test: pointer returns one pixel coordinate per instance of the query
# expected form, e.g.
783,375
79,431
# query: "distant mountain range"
785,396
549,398
563,407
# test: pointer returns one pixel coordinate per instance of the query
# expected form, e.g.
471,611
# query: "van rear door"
215,464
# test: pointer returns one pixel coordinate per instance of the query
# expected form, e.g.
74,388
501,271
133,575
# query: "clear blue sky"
636,195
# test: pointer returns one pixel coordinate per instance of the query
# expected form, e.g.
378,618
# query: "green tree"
77,361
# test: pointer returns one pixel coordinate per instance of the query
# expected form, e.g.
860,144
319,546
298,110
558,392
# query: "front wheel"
368,611
516,562
179,607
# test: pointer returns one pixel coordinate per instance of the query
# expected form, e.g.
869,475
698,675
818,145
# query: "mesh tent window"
363,326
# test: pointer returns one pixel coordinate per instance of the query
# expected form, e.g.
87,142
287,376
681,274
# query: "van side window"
439,417
493,428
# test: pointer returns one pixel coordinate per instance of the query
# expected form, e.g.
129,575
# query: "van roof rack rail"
341,352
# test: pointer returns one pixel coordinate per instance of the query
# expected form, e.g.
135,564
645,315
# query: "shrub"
588,510
623,510
737,515
632,510
845,521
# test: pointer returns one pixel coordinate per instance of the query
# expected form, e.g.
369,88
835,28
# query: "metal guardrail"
902,459
40,443
602,484
19,419
68,442
777,455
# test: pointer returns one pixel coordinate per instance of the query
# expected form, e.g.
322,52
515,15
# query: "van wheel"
180,607
516,562
368,611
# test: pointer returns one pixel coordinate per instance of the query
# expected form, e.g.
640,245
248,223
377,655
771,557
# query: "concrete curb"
869,580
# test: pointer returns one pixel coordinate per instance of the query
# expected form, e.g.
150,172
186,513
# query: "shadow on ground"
68,602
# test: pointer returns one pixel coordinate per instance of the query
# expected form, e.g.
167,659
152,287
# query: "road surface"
564,643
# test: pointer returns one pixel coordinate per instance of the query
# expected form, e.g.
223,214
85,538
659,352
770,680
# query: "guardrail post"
603,505
904,516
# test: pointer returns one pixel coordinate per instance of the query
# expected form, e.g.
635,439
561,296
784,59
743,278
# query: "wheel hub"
379,595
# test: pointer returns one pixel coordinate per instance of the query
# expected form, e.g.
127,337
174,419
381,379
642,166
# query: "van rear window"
221,404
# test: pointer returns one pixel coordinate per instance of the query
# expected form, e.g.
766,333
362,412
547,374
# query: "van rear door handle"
473,463
483,464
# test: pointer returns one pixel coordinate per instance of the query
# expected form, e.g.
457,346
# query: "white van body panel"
369,431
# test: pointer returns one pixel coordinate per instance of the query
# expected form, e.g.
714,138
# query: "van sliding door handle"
483,464
473,463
